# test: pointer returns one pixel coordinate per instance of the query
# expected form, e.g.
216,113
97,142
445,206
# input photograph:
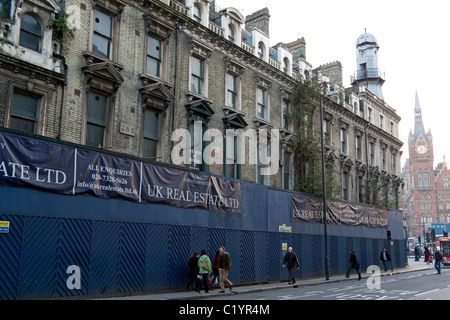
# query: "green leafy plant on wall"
60,29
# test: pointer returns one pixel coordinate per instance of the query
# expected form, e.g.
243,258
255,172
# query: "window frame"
263,104
197,17
232,140
39,127
344,140
200,78
287,159
157,141
22,30
345,185
108,119
159,60
103,36
113,10
234,93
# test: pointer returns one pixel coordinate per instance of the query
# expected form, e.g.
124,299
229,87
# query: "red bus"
445,250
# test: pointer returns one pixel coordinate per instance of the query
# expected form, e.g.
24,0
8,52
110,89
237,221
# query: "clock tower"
421,202
420,142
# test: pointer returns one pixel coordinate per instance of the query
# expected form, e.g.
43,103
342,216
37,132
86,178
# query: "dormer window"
261,50
197,16
286,65
30,33
230,33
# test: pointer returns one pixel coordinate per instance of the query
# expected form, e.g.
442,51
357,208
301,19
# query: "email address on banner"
91,185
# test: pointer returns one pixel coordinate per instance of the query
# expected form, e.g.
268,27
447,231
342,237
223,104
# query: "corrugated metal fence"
118,258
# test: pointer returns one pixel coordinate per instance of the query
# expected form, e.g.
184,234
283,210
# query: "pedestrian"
224,269
193,271
416,253
437,260
353,263
427,255
291,259
385,257
204,265
215,269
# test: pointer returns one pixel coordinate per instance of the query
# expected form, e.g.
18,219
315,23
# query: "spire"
417,109
419,128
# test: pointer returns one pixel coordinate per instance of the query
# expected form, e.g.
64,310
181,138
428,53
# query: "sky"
413,38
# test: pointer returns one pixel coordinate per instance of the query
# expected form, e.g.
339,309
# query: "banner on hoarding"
310,209
31,163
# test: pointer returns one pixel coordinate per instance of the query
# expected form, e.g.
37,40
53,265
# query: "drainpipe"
177,28
66,68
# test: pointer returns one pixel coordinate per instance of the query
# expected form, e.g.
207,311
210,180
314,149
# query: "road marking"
426,292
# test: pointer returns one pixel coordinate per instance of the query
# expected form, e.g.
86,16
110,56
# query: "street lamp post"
324,215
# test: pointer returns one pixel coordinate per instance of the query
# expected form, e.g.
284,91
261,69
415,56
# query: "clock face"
421,149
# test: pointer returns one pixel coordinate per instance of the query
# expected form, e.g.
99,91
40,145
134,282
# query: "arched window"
197,16
286,65
261,50
441,206
426,179
446,181
447,207
230,33
420,176
30,33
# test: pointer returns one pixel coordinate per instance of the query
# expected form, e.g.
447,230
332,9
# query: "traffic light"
388,232
420,239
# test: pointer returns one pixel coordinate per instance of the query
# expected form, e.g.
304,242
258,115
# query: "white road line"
426,292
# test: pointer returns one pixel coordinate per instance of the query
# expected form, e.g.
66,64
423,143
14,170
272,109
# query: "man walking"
385,257
224,269
353,264
291,259
437,260
416,253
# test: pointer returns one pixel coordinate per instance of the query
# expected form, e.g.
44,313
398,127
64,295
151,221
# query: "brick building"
427,187
136,71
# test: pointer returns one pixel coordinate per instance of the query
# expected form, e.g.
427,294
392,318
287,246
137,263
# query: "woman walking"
204,265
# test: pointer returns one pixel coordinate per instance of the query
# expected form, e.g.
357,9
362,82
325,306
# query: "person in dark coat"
215,269
291,260
385,257
416,253
353,264
193,271
427,255
437,260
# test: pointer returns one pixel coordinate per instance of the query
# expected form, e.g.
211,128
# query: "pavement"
411,266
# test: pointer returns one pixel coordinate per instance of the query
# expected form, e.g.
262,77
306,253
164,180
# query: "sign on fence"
310,209
31,163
